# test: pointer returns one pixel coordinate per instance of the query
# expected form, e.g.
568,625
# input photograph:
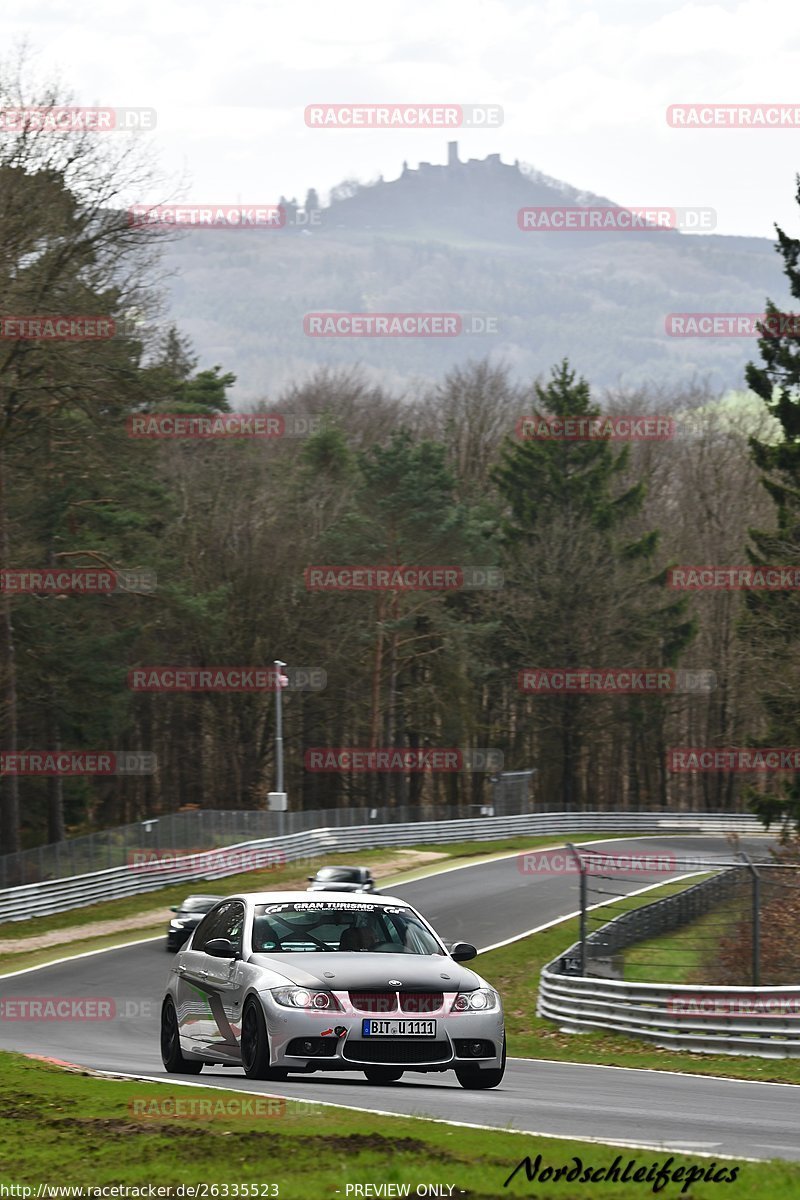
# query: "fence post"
756,918
582,870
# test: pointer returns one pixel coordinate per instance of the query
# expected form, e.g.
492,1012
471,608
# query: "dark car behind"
188,916
342,879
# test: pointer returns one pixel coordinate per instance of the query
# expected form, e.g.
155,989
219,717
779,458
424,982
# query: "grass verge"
686,955
514,971
72,1128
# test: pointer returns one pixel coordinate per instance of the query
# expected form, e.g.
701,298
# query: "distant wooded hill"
446,239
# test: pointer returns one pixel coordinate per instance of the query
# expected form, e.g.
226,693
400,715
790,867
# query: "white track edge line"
603,904
657,1070
380,1112
56,962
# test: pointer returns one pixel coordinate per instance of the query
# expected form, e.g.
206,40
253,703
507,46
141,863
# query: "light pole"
278,799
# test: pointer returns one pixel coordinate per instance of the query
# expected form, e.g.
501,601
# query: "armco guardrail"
58,895
679,1016
763,1021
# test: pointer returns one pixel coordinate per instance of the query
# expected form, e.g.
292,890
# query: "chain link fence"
210,829
735,896
711,968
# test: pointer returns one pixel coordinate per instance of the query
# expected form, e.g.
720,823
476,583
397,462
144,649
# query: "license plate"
371,1028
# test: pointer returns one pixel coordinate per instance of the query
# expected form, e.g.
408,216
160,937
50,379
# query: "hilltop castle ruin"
491,161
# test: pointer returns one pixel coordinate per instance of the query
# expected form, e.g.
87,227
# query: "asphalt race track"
484,904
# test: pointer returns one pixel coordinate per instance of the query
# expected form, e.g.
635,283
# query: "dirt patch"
63,937
405,860
355,1143
352,1143
113,1128
28,1107
399,860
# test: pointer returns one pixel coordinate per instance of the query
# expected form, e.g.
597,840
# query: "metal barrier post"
756,918
582,870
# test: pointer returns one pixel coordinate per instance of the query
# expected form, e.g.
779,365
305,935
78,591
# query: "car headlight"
481,1000
177,925
295,997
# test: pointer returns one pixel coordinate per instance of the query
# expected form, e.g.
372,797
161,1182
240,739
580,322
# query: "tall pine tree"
773,618
577,563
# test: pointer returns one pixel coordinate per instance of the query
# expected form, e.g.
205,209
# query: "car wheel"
171,1055
476,1078
382,1074
255,1045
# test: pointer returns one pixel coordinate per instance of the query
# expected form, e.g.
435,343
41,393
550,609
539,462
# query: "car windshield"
339,874
299,927
199,903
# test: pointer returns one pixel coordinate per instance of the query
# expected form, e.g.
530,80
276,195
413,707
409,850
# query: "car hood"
342,971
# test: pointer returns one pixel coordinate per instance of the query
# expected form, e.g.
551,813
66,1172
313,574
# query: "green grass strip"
63,1128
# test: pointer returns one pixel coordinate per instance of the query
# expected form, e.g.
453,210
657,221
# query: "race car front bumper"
308,1040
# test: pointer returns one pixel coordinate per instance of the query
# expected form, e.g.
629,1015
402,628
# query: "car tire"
171,1054
478,1078
382,1074
255,1045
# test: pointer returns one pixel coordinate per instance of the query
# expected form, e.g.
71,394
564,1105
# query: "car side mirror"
174,908
310,878
463,952
220,948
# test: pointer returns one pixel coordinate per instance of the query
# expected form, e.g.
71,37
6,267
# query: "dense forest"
221,533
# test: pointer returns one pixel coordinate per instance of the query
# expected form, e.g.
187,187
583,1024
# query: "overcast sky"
584,86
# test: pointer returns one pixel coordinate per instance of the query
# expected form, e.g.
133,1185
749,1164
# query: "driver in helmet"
361,937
